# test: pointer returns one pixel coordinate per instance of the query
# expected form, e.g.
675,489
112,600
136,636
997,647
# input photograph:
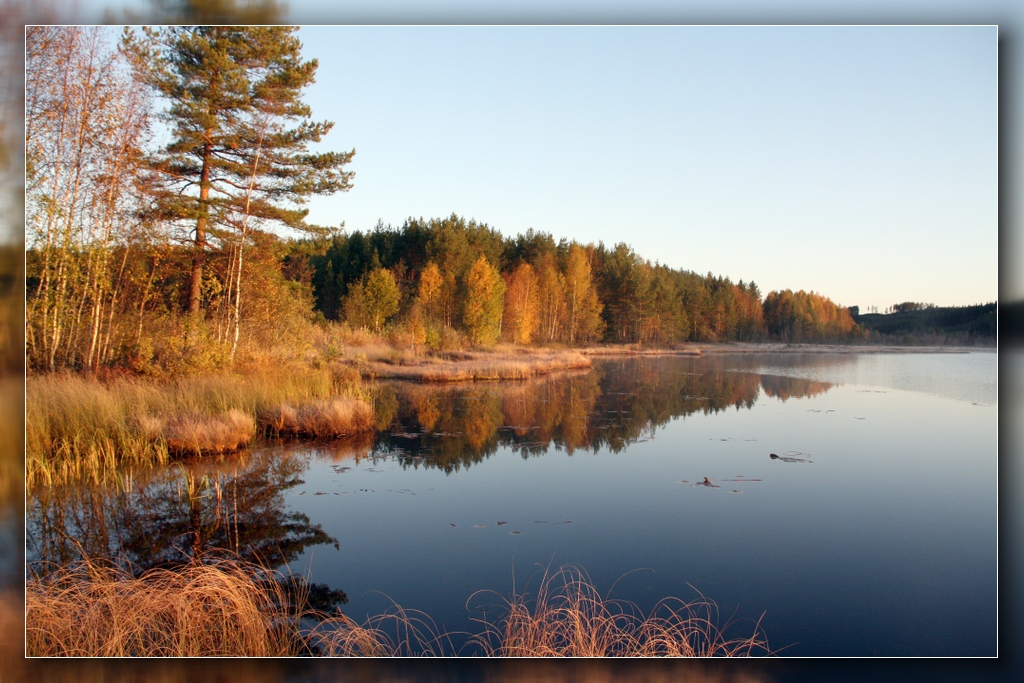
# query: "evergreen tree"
240,131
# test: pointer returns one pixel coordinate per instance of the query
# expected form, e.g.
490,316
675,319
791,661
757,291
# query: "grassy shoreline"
481,366
222,606
82,426
85,425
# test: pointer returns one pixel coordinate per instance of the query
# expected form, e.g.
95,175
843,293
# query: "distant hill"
959,325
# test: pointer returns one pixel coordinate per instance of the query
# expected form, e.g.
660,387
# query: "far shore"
516,362
722,348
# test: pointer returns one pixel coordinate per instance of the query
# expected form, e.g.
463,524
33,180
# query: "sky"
858,162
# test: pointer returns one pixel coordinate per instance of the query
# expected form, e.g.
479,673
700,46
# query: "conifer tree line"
450,273
166,177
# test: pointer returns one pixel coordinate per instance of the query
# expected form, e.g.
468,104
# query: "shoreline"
726,348
517,363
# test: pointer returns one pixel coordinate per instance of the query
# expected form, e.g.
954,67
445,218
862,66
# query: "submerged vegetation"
220,607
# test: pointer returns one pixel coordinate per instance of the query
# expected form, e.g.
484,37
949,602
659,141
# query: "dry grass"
569,618
479,365
329,418
82,426
414,635
224,607
196,434
200,610
641,350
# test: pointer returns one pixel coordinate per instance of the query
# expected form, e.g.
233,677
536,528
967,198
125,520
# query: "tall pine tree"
240,132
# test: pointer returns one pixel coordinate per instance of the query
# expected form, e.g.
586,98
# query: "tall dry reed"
195,434
226,607
217,608
81,426
570,618
324,418
480,366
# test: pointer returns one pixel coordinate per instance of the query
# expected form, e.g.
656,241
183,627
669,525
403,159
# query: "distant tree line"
912,323
431,276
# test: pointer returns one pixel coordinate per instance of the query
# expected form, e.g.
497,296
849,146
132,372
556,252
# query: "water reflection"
169,516
784,388
619,402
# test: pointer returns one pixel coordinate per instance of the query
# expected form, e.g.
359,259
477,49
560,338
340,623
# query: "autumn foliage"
166,261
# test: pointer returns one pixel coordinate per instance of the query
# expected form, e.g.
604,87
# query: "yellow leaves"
485,291
522,304
430,284
372,302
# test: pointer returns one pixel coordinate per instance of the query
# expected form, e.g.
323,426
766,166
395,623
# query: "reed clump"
222,606
326,418
569,618
479,366
198,434
210,609
84,426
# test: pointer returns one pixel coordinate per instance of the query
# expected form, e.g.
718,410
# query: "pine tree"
240,132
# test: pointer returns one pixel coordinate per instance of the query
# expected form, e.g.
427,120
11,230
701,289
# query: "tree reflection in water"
173,515
619,402
236,503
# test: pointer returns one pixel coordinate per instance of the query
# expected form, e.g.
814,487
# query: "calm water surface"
873,531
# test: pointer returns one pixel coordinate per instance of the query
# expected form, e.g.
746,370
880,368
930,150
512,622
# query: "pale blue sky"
857,162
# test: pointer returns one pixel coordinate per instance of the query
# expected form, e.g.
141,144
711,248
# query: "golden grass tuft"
569,618
226,607
480,366
228,431
83,426
327,418
415,635
211,609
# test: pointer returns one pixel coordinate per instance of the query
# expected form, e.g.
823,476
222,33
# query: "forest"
912,322
196,253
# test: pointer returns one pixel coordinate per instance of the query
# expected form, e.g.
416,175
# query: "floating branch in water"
790,456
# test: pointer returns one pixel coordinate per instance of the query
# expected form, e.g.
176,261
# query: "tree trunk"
195,296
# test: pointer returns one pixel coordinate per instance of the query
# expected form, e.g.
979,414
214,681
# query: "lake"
847,501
